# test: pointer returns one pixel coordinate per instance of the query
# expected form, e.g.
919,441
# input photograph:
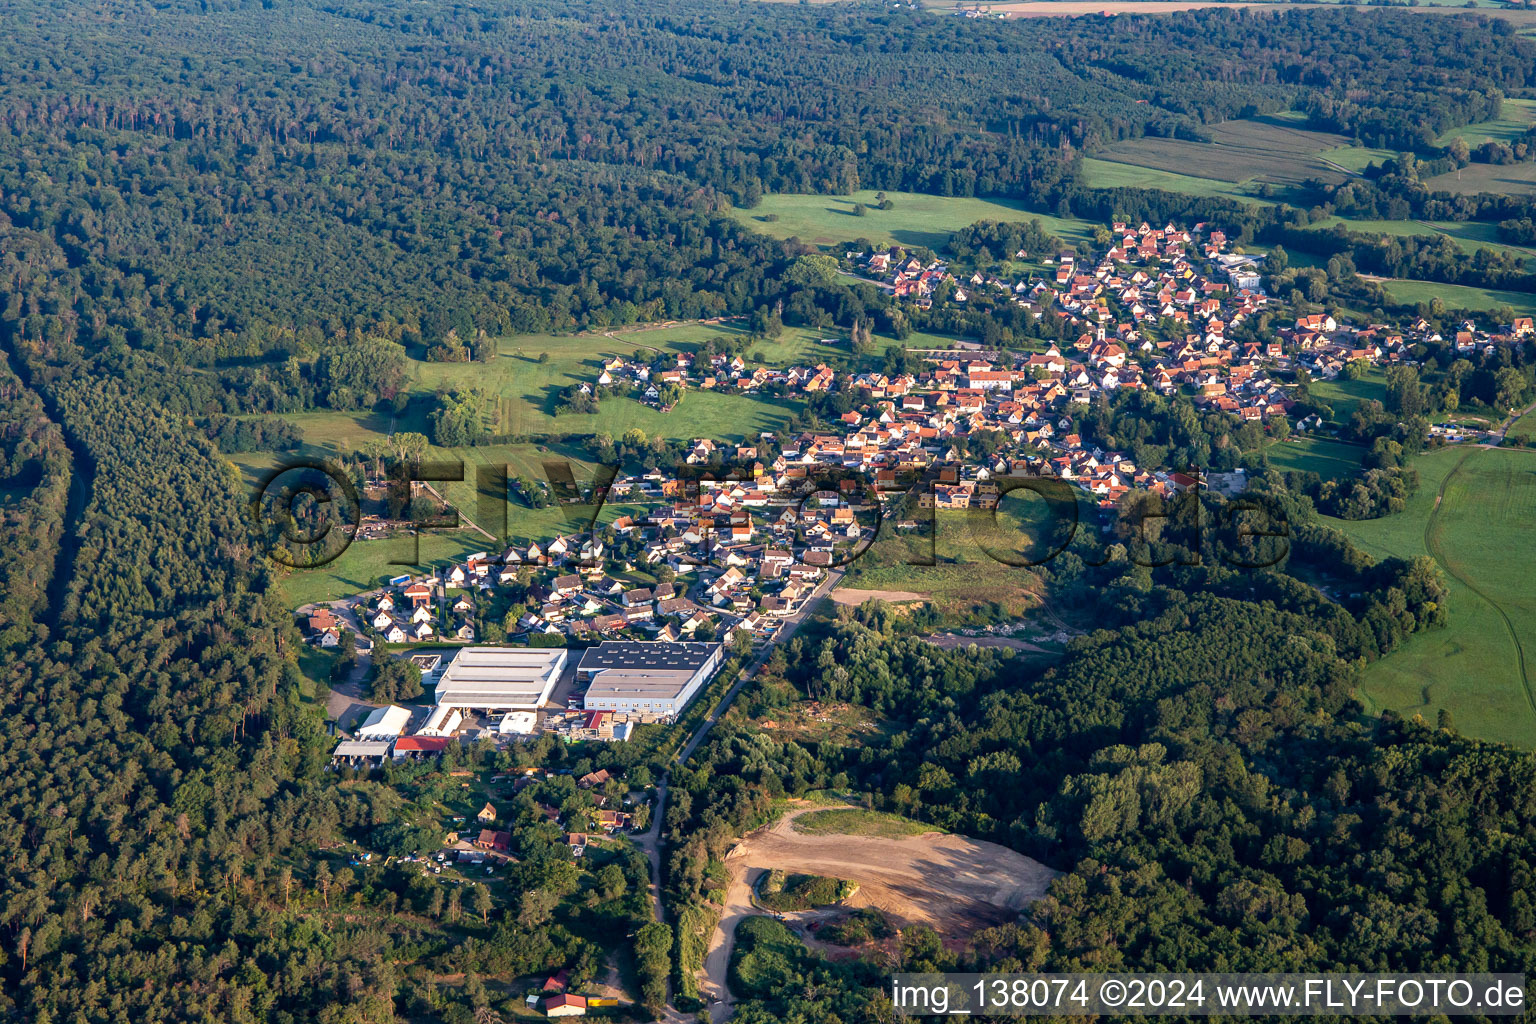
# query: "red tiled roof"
421,744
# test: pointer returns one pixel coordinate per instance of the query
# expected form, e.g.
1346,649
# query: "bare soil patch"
949,641
855,597
952,884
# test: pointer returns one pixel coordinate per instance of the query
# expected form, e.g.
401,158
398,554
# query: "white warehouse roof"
501,677
384,723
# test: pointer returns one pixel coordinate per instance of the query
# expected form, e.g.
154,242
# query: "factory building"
500,679
653,677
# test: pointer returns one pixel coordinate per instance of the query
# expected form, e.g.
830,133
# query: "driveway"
346,703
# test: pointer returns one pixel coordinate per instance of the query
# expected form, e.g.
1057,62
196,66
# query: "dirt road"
952,884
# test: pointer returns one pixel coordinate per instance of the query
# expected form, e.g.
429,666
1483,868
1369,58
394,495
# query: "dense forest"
218,207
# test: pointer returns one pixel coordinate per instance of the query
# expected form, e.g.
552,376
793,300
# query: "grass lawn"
859,822
1473,667
914,220
1330,459
1344,394
921,339
1457,296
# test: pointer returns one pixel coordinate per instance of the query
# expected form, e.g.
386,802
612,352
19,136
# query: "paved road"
653,841
790,624
1503,428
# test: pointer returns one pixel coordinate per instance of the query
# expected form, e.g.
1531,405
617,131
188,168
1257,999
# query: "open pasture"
1471,514
913,220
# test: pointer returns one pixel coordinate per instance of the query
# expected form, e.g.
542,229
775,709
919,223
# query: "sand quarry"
949,883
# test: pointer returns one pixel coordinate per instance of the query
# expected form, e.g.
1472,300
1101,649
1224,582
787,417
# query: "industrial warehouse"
626,682
495,680
646,677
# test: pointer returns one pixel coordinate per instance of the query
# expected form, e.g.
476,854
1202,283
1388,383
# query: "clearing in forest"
952,884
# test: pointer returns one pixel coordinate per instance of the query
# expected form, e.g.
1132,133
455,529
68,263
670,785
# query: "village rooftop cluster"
737,555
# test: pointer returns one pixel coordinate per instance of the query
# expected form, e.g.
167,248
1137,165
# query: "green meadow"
1469,236
1514,120
366,564
1458,296
1472,515
913,220
1514,179
528,390
1330,459
1355,158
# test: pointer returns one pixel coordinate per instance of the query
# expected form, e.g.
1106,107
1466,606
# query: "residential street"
345,703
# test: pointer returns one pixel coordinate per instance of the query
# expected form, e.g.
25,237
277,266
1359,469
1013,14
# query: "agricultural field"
914,219
1472,515
1275,149
1100,173
1512,179
1457,296
1330,459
